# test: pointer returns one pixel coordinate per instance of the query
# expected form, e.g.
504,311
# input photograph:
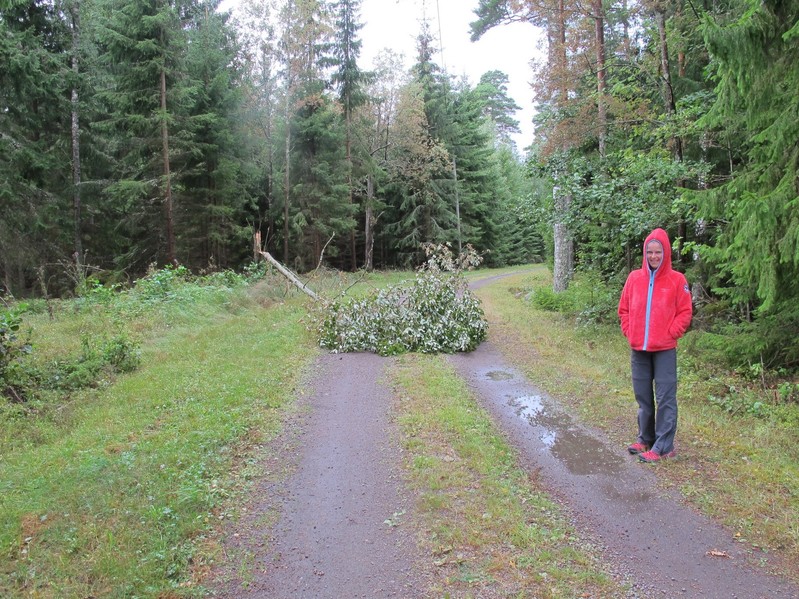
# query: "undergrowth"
145,405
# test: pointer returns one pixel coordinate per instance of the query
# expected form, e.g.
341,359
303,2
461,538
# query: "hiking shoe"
651,457
637,448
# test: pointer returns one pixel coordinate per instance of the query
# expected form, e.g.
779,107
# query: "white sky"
509,48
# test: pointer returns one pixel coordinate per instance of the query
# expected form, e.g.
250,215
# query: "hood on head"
663,237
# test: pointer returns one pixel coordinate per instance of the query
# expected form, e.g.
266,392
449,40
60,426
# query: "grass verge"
741,470
115,499
489,530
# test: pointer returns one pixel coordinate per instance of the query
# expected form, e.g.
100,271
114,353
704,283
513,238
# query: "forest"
137,134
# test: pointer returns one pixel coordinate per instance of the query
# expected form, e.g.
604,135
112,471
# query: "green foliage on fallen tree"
435,313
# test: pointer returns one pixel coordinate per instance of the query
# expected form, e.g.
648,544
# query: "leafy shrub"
739,339
588,299
737,402
545,298
98,355
223,279
160,284
93,290
255,271
122,353
436,313
12,349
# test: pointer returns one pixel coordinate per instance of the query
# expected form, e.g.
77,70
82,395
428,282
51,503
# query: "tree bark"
368,233
665,67
564,246
671,110
599,23
457,204
170,225
348,116
74,11
286,180
289,275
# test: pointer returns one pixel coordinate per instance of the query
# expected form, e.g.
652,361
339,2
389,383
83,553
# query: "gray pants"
656,426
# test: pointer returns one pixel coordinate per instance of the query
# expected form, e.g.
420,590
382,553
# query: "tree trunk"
348,116
602,118
170,225
74,11
286,179
564,246
368,233
289,275
457,204
671,110
665,67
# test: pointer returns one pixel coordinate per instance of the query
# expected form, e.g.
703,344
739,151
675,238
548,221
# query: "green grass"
489,529
739,469
119,490
114,494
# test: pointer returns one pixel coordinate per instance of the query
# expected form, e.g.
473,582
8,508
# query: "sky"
509,48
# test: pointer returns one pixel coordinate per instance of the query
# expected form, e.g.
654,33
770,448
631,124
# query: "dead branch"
289,275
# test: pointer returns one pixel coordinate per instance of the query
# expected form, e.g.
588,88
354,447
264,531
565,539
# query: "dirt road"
659,546
323,523
338,511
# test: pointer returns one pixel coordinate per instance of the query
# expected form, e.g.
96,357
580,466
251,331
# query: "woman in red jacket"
655,311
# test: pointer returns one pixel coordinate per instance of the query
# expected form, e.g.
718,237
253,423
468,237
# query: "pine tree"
498,106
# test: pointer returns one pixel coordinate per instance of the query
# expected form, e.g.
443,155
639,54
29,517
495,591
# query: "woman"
655,311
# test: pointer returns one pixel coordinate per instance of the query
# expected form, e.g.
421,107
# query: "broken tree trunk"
288,274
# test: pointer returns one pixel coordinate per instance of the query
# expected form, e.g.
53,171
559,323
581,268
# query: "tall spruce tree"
422,166
35,176
142,46
214,186
316,208
755,60
350,81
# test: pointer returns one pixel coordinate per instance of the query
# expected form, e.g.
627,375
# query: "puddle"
528,406
580,452
626,494
499,375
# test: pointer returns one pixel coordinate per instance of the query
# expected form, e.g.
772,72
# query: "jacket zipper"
649,306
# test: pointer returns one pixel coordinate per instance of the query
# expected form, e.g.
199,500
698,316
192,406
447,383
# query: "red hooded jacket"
655,306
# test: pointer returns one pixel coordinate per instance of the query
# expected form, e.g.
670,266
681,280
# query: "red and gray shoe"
637,448
650,457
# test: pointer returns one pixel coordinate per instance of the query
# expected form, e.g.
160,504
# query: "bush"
160,285
12,349
588,299
435,314
544,298
99,356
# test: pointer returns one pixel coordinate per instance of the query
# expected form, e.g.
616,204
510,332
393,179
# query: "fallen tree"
288,274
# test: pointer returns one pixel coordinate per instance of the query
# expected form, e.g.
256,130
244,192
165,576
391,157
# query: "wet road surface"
661,547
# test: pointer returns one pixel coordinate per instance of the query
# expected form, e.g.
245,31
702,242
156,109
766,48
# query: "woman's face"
654,254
